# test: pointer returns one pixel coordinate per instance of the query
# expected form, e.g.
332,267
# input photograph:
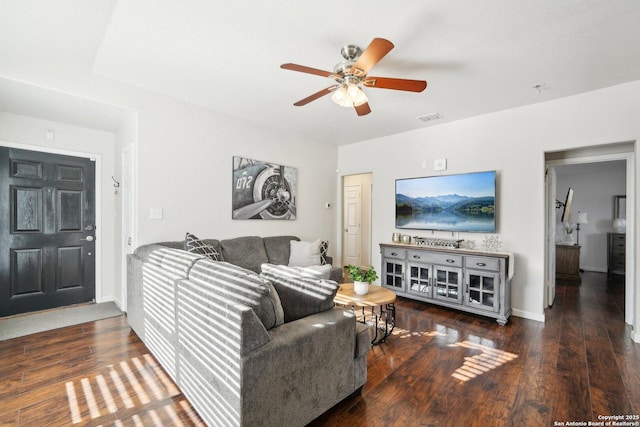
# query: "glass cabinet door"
420,279
448,283
393,274
482,290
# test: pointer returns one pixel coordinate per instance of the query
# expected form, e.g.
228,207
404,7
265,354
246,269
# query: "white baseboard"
528,315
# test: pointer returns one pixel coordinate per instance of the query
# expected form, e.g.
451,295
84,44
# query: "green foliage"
358,274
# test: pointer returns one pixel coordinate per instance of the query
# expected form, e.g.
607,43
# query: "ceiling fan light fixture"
349,95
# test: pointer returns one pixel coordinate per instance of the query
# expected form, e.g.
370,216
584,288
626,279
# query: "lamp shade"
582,218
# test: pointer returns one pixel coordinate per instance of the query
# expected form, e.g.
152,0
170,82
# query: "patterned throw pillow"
197,246
324,248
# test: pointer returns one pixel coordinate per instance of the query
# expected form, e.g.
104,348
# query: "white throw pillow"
304,254
311,272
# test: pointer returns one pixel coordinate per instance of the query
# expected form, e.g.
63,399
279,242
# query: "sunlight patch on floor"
121,386
474,366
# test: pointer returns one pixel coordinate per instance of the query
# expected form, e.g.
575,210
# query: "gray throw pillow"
301,297
198,246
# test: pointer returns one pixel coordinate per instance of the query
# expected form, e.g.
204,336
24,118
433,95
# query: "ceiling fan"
352,73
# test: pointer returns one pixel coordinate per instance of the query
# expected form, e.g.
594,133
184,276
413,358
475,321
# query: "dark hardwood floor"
440,368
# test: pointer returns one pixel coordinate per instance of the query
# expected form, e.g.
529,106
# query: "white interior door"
550,244
352,235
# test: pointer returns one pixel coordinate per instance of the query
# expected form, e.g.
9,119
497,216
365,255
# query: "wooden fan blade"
396,84
362,109
308,70
315,96
376,50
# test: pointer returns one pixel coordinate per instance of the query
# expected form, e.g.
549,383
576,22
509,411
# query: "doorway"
47,226
356,219
594,175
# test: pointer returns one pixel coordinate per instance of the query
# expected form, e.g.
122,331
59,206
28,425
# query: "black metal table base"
382,321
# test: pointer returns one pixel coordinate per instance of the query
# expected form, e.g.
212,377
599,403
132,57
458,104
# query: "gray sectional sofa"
245,348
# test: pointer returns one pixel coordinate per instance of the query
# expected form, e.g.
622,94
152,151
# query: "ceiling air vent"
430,117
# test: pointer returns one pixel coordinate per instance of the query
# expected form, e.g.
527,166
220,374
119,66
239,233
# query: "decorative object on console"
492,243
362,278
263,190
395,237
582,219
461,202
468,244
437,241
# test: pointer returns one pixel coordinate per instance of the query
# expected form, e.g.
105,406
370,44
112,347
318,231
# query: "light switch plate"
440,164
155,213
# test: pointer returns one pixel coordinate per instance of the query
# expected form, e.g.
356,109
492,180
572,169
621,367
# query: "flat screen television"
461,202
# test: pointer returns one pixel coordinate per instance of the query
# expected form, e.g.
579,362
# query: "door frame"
369,229
628,156
550,226
128,206
98,198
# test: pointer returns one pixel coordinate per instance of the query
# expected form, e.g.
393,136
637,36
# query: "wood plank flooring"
97,373
440,368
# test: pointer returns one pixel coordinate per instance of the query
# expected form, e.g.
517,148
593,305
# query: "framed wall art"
263,190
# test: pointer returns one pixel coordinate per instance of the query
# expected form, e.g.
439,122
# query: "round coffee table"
379,301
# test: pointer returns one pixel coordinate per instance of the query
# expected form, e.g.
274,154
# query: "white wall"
594,185
185,168
30,133
514,143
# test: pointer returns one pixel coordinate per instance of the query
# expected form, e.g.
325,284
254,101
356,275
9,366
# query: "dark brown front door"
47,229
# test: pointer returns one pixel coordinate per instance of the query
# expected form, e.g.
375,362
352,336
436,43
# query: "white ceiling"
477,56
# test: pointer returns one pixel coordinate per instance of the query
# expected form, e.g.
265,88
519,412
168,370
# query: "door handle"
88,239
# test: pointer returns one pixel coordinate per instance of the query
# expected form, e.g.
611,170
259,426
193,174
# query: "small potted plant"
362,278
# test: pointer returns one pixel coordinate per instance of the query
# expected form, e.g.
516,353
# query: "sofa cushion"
241,286
198,246
247,252
304,254
301,297
311,272
278,248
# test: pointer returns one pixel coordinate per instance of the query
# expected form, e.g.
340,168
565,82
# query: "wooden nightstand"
568,263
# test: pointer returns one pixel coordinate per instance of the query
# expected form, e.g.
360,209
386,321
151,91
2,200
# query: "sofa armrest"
337,275
213,335
308,366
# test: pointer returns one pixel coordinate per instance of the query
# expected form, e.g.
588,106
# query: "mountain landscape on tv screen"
446,212
450,202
